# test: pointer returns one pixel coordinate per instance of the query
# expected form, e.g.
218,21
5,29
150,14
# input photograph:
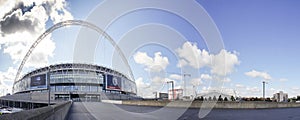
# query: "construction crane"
184,75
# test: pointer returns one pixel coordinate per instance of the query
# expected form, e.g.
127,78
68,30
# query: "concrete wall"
208,104
36,96
41,96
54,112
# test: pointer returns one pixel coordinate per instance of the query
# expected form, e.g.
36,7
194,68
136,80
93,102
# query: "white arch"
68,23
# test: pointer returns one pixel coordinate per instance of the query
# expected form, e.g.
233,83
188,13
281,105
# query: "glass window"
100,89
52,88
70,80
94,88
77,88
85,88
66,88
72,88
59,88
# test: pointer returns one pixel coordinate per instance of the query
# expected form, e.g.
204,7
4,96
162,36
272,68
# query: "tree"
268,99
232,98
214,98
197,99
209,99
201,98
225,99
220,98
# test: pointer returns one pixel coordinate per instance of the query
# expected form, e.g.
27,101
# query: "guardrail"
58,111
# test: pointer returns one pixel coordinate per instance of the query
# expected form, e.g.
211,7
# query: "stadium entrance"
78,97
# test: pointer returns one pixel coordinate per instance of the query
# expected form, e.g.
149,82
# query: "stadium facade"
76,81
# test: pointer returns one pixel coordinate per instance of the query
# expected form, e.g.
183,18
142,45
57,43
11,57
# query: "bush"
214,98
225,99
220,98
232,98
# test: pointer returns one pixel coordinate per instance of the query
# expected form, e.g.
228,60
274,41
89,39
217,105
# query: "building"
280,97
77,82
178,94
163,96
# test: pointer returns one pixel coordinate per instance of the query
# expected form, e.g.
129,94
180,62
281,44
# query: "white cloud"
206,77
58,11
142,87
139,82
20,29
156,84
226,80
283,79
159,80
7,6
175,76
239,86
199,81
221,64
40,55
4,89
196,81
192,56
7,77
156,64
181,63
224,63
257,74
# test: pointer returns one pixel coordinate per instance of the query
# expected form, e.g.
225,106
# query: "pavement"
106,111
79,112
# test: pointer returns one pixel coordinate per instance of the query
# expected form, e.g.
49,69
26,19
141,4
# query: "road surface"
105,111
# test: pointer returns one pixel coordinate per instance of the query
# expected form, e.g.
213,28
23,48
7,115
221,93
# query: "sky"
259,42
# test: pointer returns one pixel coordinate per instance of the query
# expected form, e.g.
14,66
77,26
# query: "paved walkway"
105,111
79,112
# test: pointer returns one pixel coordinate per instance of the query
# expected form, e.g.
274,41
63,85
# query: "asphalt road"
105,111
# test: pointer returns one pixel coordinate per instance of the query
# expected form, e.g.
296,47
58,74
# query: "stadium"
75,81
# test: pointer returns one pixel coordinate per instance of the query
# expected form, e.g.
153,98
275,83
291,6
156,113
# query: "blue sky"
262,34
266,35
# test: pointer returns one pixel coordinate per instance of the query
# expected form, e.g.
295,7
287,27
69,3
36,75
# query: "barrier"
206,104
58,111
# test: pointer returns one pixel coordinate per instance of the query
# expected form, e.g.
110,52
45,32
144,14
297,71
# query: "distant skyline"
260,39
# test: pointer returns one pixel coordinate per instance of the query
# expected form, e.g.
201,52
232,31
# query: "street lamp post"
185,75
48,84
264,90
